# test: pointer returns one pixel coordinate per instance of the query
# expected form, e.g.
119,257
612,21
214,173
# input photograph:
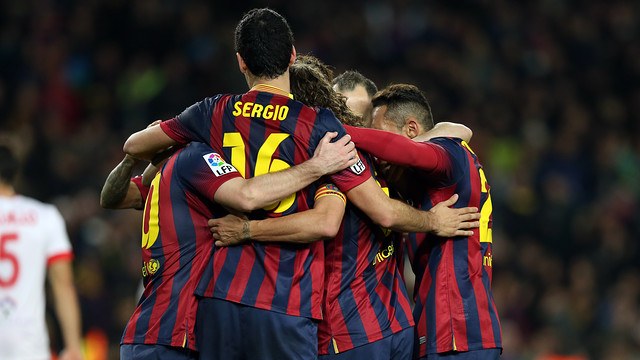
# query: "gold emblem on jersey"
150,267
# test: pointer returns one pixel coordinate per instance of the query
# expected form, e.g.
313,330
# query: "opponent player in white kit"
33,242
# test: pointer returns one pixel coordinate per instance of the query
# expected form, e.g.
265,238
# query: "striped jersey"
366,298
454,307
261,131
176,245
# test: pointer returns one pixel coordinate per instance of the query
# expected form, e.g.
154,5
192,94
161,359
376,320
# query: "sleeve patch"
358,167
218,165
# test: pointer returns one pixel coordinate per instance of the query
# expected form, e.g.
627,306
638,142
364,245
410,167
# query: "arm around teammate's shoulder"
396,215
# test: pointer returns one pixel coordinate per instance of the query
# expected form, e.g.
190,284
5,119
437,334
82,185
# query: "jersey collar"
271,89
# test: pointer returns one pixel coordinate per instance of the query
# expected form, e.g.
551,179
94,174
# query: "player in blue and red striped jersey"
367,312
455,313
176,242
260,131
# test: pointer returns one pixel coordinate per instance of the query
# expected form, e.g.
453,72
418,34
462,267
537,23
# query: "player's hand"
229,230
451,222
71,354
331,157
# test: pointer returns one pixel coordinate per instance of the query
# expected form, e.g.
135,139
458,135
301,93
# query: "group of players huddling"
269,232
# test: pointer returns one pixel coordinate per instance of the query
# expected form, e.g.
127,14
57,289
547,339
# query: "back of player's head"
264,41
310,86
9,165
348,80
404,101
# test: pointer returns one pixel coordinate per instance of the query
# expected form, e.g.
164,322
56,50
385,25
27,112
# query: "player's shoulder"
209,103
449,144
39,211
193,154
29,202
327,118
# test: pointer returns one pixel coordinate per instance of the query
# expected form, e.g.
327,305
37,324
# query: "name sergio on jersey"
269,112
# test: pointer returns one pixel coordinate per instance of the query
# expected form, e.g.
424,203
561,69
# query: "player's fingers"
468,210
352,154
344,140
469,225
219,243
213,222
328,136
350,146
352,161
464,233
469,217
450,201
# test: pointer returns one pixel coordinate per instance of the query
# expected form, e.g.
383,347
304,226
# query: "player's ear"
412,128
241,64
293,55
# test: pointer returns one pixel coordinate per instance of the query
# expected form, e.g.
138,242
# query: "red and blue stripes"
277,277
174,260
366,297
454,306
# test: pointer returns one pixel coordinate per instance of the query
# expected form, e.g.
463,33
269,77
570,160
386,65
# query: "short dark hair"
264,41
402,101
349,79
9,165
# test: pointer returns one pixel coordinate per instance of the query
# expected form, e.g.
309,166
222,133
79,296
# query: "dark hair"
310,85
326,70
402,101
264,41
348,81
9,165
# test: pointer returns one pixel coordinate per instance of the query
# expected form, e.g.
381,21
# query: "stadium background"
550,89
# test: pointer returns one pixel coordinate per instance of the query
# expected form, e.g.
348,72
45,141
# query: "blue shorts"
483,354
398,346
227,331
155,352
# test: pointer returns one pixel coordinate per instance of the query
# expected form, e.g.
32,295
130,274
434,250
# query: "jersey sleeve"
352,176
400,150
205,170
193,124
328,189
144,190
58,244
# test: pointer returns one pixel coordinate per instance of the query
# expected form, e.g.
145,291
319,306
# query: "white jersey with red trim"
32,236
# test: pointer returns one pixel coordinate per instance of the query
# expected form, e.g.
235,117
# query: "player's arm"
446,129
261,191
400,150
321,222
441,220
118,191
145,144
67,309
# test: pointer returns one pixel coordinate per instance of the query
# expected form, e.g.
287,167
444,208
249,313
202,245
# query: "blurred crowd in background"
550,89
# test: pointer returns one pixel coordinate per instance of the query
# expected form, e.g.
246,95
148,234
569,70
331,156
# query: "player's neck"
281,82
